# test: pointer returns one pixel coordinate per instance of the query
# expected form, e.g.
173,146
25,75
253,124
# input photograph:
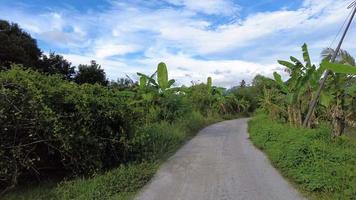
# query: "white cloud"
186,39
185,69
224,7
108,50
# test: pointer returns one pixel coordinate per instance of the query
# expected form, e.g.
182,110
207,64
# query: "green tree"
91,74
243,84
338,96
56,64
17,46
298,89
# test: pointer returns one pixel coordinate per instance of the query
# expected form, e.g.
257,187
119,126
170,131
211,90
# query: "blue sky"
229,40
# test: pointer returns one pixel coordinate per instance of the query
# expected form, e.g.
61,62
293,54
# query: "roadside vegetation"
320,158
69,133
322,167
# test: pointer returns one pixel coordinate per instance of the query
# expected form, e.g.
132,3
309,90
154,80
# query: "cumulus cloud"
197,38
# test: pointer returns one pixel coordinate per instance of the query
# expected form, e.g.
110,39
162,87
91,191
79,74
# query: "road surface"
220,163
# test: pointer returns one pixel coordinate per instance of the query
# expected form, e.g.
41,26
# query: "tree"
338,97
298,89
91,74
242,84
161,84
125,83
56,64
17,46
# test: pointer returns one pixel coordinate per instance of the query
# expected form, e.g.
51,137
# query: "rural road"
220,163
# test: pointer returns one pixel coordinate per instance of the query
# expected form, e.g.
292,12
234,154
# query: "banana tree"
298,89
339,94
161,83
270,102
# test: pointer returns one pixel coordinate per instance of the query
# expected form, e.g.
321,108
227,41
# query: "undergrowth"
323,167
157,140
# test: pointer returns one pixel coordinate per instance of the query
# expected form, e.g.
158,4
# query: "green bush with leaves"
319,164
51,124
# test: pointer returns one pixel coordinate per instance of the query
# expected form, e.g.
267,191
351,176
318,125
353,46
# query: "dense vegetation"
290,100
93,137
57,122
53,125
319,160
322,166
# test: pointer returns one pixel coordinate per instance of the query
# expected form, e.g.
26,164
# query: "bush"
310,158
154,141
53,127
119,183
51,124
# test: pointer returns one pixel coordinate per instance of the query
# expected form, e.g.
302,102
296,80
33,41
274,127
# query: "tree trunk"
338,121
296,115
299,117
290,116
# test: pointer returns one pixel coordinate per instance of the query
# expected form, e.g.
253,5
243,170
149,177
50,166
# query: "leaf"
295,60
149,78
326,99
143,82
351,90
162,76
171,82
287,64
306,56
339,68
209,83
280,82
126,94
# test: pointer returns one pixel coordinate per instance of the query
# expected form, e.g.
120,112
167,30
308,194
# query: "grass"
351,132
120,183
162,140
322,167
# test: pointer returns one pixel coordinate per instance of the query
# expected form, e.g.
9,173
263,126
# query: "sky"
229,40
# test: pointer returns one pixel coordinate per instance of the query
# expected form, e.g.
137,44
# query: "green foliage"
56,64
161,84
310,158
151,144
17,46
48,122
209,83
120,183
339,68
162,77
91,74
297,91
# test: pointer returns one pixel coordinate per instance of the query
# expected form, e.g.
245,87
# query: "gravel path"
220,163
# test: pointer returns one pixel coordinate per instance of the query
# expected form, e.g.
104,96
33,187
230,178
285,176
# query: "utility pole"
322,84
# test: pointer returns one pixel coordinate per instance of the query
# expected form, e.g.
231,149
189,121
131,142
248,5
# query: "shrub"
310,158
48,123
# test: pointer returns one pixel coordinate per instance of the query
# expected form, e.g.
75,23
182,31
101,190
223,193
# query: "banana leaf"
306,56
339,68
162,76
287,64
280,82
